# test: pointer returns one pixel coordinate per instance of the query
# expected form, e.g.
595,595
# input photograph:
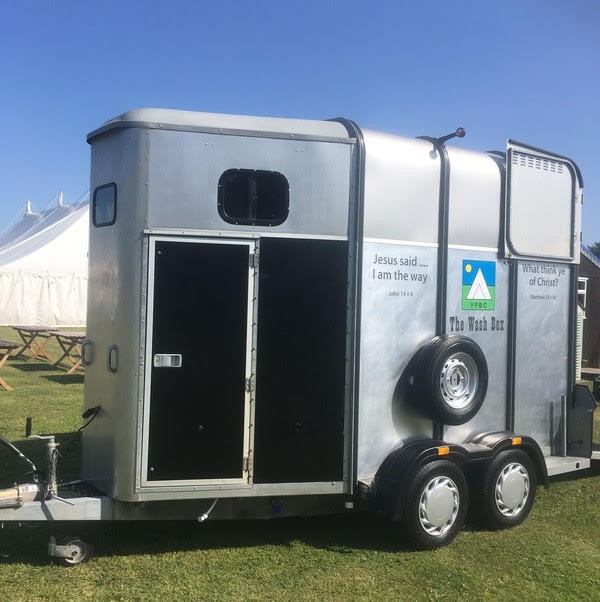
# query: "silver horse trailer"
289,317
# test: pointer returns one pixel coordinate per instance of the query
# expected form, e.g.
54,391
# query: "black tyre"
435,506
508,489
451,378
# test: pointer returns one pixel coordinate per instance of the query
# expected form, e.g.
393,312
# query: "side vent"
541,163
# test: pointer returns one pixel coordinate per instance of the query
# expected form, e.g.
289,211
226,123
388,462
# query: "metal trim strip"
511,346
473,248
183,489
413,243
359,203
225,234
443,234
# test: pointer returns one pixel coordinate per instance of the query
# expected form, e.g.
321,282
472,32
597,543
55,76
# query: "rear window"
253,197
104,205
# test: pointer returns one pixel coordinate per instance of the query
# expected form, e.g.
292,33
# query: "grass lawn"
554,555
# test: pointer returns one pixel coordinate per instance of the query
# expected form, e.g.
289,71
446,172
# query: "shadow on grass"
65,379
343,534
57,373
340,534
25,366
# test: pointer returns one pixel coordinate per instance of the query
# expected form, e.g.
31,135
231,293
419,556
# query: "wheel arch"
400,466
395,473
499,441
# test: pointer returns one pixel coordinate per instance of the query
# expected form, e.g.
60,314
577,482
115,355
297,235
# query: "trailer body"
301,312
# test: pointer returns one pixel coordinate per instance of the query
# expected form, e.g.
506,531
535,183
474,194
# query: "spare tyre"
450,379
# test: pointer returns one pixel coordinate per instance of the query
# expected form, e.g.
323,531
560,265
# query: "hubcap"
438,506
512,489
459,380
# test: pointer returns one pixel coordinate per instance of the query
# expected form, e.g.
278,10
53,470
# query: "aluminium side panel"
115,298
476,308
486,321
185,168
398,290
542,351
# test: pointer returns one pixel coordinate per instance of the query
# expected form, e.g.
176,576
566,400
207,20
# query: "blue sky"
526,69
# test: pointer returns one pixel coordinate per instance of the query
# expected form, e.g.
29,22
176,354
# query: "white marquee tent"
43,267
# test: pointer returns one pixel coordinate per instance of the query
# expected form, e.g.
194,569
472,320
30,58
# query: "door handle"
112,358
167,360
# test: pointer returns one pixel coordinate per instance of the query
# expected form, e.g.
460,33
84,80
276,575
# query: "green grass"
554,555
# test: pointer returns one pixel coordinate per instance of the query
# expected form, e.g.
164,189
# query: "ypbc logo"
478,285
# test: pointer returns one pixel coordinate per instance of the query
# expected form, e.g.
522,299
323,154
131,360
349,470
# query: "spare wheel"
451,378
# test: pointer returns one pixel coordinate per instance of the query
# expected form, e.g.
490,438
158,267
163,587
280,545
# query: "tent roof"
53,241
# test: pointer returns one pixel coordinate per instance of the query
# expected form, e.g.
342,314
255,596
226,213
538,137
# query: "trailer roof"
170,119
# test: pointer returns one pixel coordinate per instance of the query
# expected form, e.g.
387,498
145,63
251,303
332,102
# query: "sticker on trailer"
478,285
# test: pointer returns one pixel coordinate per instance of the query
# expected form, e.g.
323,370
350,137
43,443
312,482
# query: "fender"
500,440
398,468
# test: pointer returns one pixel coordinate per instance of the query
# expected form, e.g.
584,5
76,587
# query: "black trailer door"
199,312
301,361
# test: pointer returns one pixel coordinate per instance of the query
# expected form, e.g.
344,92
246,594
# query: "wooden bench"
5,348
35,339
70,343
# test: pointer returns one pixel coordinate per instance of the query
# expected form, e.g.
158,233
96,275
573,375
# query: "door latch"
167,360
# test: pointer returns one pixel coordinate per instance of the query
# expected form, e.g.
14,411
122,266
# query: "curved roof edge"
172,119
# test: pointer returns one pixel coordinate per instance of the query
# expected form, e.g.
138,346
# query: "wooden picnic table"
5,348
35,339
70,342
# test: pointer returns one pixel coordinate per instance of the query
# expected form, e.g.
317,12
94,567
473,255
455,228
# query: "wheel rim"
439,505
512,489
459,380
78,550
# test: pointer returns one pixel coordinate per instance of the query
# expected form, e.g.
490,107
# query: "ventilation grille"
531,162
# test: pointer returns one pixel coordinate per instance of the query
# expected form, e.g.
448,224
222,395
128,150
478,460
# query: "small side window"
104,206
254,198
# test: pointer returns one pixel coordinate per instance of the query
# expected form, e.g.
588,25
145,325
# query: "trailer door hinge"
250,384
253,261
247,464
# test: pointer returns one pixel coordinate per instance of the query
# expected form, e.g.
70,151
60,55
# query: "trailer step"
561,464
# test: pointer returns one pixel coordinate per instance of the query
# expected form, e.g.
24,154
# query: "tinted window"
251,197
105,205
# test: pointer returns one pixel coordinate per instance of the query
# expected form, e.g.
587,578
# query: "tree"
595,249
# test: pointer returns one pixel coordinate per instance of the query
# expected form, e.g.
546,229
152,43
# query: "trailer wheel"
508,491
451,379
436,505
79,551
